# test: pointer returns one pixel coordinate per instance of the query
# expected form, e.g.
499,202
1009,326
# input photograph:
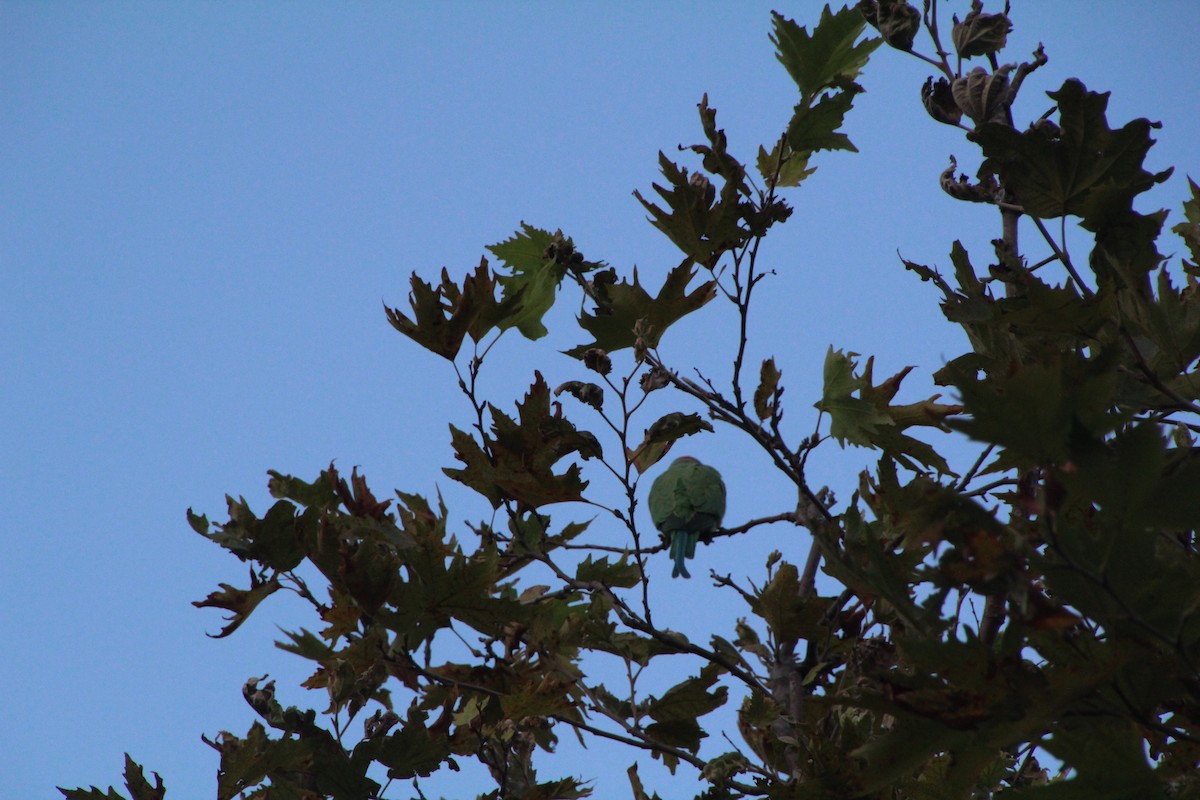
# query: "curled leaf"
896,21
662,434
980,34
597,360
766,396
939,101
588,393
982,96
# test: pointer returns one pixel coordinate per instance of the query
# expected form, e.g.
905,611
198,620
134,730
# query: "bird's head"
685,460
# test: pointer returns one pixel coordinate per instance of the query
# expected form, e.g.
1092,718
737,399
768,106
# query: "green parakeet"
686,501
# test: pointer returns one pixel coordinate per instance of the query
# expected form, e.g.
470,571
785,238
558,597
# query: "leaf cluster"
1037,605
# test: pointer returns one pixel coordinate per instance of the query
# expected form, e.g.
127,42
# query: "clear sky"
203,207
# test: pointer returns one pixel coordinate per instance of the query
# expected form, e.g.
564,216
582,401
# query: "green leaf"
1108,758
621,574
516,461
318,494
620,306
1035,410
860,413
689,700
715,155
702,226
1086,170
790,615
307,645
1189,229
851,419
412,751
536,275
899,753
442,317
817,127
239,602
135,783
829,57
791,172
682,733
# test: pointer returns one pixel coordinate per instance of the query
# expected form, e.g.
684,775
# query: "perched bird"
688,499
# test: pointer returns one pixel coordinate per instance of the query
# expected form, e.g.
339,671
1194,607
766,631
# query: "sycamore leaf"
620,574
766,396
1084,169
620,306
662,434
817,127
675,714
536,275
691,698
318,494
851,419
699,223
585,392
827,58
791,172
790,615
413,750
1173,326
716,157
515,462
135,783
860,412
239,602
442,317
1189,230
1036,410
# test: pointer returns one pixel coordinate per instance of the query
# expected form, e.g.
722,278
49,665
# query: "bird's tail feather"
683,547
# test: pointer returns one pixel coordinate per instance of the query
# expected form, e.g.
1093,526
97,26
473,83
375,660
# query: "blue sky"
204,206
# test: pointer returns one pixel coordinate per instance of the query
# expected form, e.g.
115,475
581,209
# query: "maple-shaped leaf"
715,155
620,306
816,127
516,460
852,418
414,749
789,613
444,315
861,413
829,56
1173,325
536,275
782,167
1189,230
700,223
690,698
239,602
135,782
1036,410
1082,167
274,541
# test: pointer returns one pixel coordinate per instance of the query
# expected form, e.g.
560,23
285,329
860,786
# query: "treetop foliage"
1021,624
